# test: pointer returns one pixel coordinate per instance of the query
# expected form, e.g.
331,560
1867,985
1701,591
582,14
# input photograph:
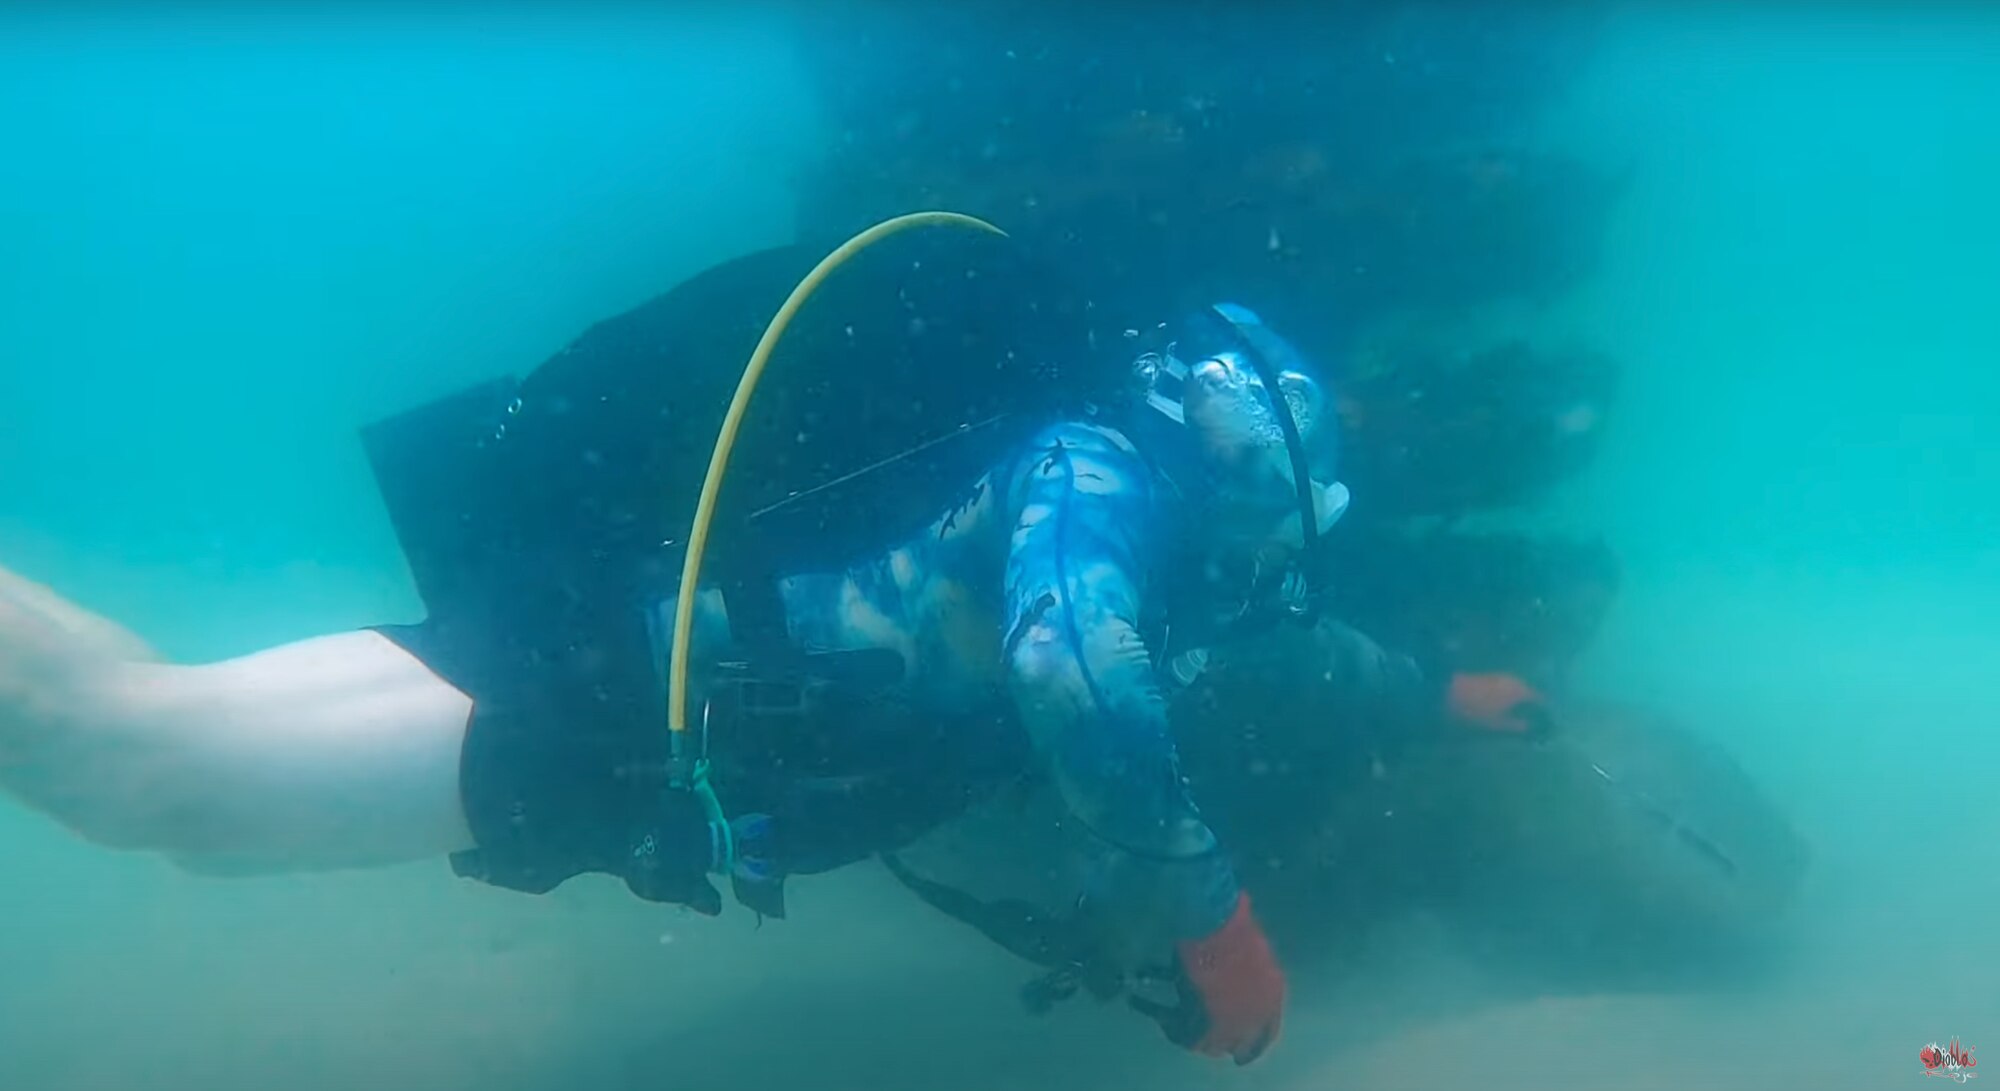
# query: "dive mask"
1264,420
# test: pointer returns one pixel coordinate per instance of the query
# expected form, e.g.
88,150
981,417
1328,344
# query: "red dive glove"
1498,702
1239,985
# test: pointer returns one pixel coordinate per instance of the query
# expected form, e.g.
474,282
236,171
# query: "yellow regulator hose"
678,711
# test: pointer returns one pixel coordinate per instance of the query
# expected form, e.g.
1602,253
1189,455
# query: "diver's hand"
1498,702
47,669
1240,989
55,657
29,609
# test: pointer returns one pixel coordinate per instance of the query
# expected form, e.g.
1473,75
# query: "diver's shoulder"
1082,454
1081,434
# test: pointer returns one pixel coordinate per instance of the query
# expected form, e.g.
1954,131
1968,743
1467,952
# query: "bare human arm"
339,751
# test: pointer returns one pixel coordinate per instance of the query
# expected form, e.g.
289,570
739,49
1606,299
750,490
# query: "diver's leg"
340,751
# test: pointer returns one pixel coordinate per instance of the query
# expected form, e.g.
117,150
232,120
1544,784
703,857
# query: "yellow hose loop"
718,462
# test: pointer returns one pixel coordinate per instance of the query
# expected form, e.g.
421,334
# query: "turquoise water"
224,243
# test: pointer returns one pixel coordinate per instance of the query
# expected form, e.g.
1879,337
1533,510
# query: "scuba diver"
997,600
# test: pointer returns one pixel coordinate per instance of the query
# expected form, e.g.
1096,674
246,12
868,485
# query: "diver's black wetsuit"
1030,615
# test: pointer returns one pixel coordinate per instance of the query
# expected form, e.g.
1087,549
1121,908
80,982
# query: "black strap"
748,578
1294,442
1026,930
757,618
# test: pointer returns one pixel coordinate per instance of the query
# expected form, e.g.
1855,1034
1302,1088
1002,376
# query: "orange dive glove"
1239,984
1497,701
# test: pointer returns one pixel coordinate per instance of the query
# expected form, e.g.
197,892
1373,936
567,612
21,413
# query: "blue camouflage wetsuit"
1035,587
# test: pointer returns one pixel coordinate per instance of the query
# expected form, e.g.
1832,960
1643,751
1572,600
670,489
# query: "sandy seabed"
122,973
